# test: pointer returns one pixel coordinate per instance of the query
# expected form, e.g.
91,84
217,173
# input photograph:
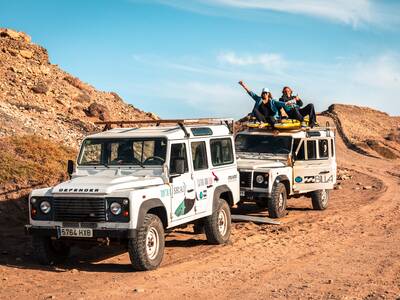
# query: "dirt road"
349,251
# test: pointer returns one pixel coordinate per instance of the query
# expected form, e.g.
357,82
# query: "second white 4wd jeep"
132,184
275,166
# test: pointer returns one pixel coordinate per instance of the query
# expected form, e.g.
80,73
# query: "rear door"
313,168
182,188
202,175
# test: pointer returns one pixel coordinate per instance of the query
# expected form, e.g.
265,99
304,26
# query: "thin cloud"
267,60
355,13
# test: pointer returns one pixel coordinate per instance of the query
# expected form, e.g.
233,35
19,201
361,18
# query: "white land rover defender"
132,184
277,165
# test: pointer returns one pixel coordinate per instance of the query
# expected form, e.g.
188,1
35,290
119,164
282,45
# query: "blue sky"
184,58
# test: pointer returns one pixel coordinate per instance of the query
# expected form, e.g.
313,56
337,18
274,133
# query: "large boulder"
97,110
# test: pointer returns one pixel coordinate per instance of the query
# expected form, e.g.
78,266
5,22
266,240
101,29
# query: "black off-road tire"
151,232
218,225
48,251
320,199
278,201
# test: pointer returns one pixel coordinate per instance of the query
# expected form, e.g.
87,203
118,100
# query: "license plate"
76,232
242,193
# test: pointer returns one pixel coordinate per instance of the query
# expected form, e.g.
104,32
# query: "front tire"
320,199
218,225
146,250
48,251
278,201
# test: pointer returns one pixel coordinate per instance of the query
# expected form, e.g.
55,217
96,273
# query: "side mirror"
70,167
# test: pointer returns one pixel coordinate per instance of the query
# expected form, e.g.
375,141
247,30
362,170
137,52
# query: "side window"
300,154
323,149
333,147
221,152
178,151
199,155
311,149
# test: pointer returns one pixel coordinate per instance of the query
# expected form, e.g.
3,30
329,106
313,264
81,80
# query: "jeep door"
202,175
314,166
182,187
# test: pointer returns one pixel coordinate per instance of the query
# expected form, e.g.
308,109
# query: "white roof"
173,132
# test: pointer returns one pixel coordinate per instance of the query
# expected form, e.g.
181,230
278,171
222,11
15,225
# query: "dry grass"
32,160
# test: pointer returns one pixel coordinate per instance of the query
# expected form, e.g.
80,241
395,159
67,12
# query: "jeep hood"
253,164
105,183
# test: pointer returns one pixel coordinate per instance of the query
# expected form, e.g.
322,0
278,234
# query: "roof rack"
326,128
229,122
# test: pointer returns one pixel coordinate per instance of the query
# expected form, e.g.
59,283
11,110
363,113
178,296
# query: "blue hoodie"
274,104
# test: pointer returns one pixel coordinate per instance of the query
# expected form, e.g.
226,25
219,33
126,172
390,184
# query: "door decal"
185,206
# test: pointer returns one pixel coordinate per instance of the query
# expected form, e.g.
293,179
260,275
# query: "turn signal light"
33,212
126,213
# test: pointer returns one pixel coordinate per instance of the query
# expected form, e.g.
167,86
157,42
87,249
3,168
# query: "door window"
199,155
221,152
311,149
178,151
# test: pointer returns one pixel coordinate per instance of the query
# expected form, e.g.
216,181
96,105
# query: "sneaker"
303,124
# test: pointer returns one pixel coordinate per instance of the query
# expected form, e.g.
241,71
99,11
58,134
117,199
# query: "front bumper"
253,195
54,231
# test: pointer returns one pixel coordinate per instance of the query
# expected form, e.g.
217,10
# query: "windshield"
263,144
141,152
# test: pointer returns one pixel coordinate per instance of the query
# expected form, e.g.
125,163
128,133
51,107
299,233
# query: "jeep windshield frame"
264,145
141,152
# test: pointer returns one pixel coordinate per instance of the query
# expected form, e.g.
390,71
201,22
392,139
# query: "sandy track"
349,251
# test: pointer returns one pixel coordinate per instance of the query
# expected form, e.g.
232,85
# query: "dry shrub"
82,98
75,82
32,160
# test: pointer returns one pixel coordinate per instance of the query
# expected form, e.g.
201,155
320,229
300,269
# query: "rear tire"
278,201
218,225
146,250
48,251
320,199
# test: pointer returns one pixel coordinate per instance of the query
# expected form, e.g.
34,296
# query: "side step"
260,220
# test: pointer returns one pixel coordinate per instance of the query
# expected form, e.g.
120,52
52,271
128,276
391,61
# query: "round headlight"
115,208
33,200
260,179
45,207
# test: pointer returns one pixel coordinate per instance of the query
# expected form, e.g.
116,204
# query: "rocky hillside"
44,114
367,130
37,97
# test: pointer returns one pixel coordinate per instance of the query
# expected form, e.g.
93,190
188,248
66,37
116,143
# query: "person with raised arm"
266,109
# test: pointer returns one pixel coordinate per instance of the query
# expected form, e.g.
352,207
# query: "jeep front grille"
79,209
245,179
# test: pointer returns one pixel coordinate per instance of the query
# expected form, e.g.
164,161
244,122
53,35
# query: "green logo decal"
181,209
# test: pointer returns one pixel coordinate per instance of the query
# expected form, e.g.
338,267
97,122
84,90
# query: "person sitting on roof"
266,109
294,110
